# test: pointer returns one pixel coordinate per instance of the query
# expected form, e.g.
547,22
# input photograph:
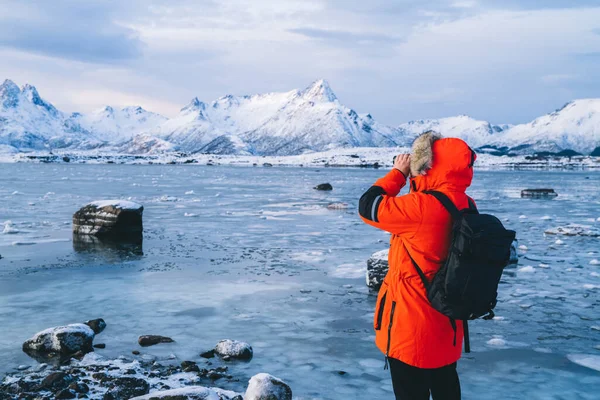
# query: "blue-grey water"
253,254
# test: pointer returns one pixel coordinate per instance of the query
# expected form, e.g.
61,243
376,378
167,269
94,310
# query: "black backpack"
466,286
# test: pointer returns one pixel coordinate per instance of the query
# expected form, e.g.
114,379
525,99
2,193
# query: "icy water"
253,254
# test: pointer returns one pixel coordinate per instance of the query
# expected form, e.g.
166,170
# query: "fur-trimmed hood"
441,163
421,156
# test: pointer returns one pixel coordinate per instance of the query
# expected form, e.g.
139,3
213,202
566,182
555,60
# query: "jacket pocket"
379,310
389,338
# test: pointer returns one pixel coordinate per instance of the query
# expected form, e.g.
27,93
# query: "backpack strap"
419,270
466,336
472,206
446,202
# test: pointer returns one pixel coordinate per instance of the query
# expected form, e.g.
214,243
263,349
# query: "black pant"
412,383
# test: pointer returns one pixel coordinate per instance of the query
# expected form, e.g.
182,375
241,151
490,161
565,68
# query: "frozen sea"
253,254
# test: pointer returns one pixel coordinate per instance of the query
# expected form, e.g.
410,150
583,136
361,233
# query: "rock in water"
97,325
126,388
514,256
538,193
234,349
377,268
574,230
151,340
337,206
323,186
267,387
191,393
109,219
60,342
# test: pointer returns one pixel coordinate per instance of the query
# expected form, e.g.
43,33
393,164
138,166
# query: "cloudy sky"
506,61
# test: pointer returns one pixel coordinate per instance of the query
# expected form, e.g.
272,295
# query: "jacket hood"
441,163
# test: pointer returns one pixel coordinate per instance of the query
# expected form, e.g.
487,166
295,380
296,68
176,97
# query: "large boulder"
233,349
377,268
109,219
60,342
191,393
267,387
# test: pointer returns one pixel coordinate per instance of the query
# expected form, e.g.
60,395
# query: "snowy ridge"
576,126
476,133
272,124
116,126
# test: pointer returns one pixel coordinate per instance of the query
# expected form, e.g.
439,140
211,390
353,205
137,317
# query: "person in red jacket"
421,345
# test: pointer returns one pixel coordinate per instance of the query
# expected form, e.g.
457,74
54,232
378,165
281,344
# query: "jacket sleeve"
379,206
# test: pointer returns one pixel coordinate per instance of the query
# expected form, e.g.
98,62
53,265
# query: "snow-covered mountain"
476,133
29,122
275,123
115,126
294,122
576,126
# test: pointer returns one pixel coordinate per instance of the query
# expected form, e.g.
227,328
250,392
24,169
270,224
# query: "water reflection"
111,249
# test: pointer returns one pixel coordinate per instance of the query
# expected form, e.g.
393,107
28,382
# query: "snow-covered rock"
109,218
377,268
192,393
267,387
574,230
538,193
234,349
60,341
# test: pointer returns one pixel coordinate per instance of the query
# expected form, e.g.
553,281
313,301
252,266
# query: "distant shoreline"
363,157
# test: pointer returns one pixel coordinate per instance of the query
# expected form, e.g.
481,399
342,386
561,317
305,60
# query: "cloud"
553,79
82,31
501,60
345,38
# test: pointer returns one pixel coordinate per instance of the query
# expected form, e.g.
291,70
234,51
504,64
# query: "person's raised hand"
402,164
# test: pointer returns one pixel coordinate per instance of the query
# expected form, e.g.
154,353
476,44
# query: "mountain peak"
8,85
9,93
319,90
193,105
32,94
134,110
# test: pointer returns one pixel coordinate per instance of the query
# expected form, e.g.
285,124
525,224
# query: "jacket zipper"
380,312
387,351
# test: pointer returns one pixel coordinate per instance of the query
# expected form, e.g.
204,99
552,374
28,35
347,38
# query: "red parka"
407,327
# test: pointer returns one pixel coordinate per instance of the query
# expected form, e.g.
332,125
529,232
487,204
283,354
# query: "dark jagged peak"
319,91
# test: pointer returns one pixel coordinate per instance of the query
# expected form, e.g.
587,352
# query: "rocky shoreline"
71,369
346,157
